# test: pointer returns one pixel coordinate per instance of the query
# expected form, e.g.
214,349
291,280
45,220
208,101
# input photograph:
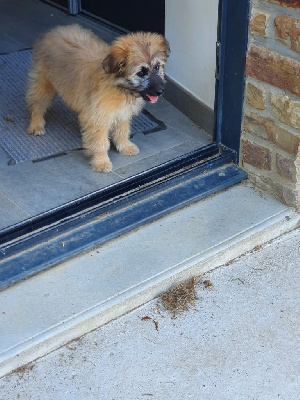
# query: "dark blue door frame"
233,38
45,240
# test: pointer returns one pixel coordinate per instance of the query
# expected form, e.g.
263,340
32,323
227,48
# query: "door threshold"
81,225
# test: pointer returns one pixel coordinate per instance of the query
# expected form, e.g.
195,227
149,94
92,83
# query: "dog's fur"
106,85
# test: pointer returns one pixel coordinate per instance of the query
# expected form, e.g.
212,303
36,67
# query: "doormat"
62,127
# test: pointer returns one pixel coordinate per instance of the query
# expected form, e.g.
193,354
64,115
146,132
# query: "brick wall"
271,128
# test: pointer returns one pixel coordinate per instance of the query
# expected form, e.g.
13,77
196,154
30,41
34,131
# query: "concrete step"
46,311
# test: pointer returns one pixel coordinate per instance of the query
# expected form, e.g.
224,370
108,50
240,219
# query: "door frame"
234,18
43,241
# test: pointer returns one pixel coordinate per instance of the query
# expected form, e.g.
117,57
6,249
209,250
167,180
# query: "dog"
106,85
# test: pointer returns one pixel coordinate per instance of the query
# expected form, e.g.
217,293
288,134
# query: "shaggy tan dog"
106,85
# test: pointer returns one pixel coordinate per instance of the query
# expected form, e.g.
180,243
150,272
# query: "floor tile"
157,159
38,187
22,21
164,111
10,213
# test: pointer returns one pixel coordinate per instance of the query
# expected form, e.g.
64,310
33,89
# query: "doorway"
68,174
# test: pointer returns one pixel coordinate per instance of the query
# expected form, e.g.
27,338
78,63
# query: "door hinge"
218,51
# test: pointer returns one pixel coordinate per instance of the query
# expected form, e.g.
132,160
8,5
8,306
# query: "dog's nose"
159,92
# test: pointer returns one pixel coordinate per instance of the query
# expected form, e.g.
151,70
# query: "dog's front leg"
101,161
96,143
98,149
120,136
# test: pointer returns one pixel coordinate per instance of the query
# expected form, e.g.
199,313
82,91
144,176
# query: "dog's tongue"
153,99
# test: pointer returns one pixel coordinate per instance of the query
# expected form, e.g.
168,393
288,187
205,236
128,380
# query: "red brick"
286,167
287,30
284,192
255,96
255,155
269,130
286,110
286,3
258,23
271,67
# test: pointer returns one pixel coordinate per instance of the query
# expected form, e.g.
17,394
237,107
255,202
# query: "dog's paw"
130,150
36,130
101,165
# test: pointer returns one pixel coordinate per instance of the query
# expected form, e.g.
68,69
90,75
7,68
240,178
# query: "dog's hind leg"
39,97
120,136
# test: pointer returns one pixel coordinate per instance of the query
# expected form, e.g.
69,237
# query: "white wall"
191,29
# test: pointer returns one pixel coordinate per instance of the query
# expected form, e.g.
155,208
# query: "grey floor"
28,189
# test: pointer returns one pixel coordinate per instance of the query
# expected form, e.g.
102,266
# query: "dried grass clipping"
180,298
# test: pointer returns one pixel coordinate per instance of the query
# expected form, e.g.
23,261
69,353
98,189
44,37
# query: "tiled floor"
28,189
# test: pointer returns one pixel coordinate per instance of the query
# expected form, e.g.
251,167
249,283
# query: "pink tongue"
153,99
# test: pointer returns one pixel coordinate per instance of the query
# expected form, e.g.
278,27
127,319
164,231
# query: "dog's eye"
156,67
143,72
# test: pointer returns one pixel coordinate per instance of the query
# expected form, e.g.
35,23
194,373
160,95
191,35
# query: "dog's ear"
167,47
163,47
115,62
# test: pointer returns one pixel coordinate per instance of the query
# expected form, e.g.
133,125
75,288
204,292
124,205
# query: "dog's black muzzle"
154,90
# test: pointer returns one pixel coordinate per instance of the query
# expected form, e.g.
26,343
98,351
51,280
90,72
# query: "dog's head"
138,61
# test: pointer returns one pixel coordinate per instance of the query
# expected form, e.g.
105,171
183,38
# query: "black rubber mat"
62,128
